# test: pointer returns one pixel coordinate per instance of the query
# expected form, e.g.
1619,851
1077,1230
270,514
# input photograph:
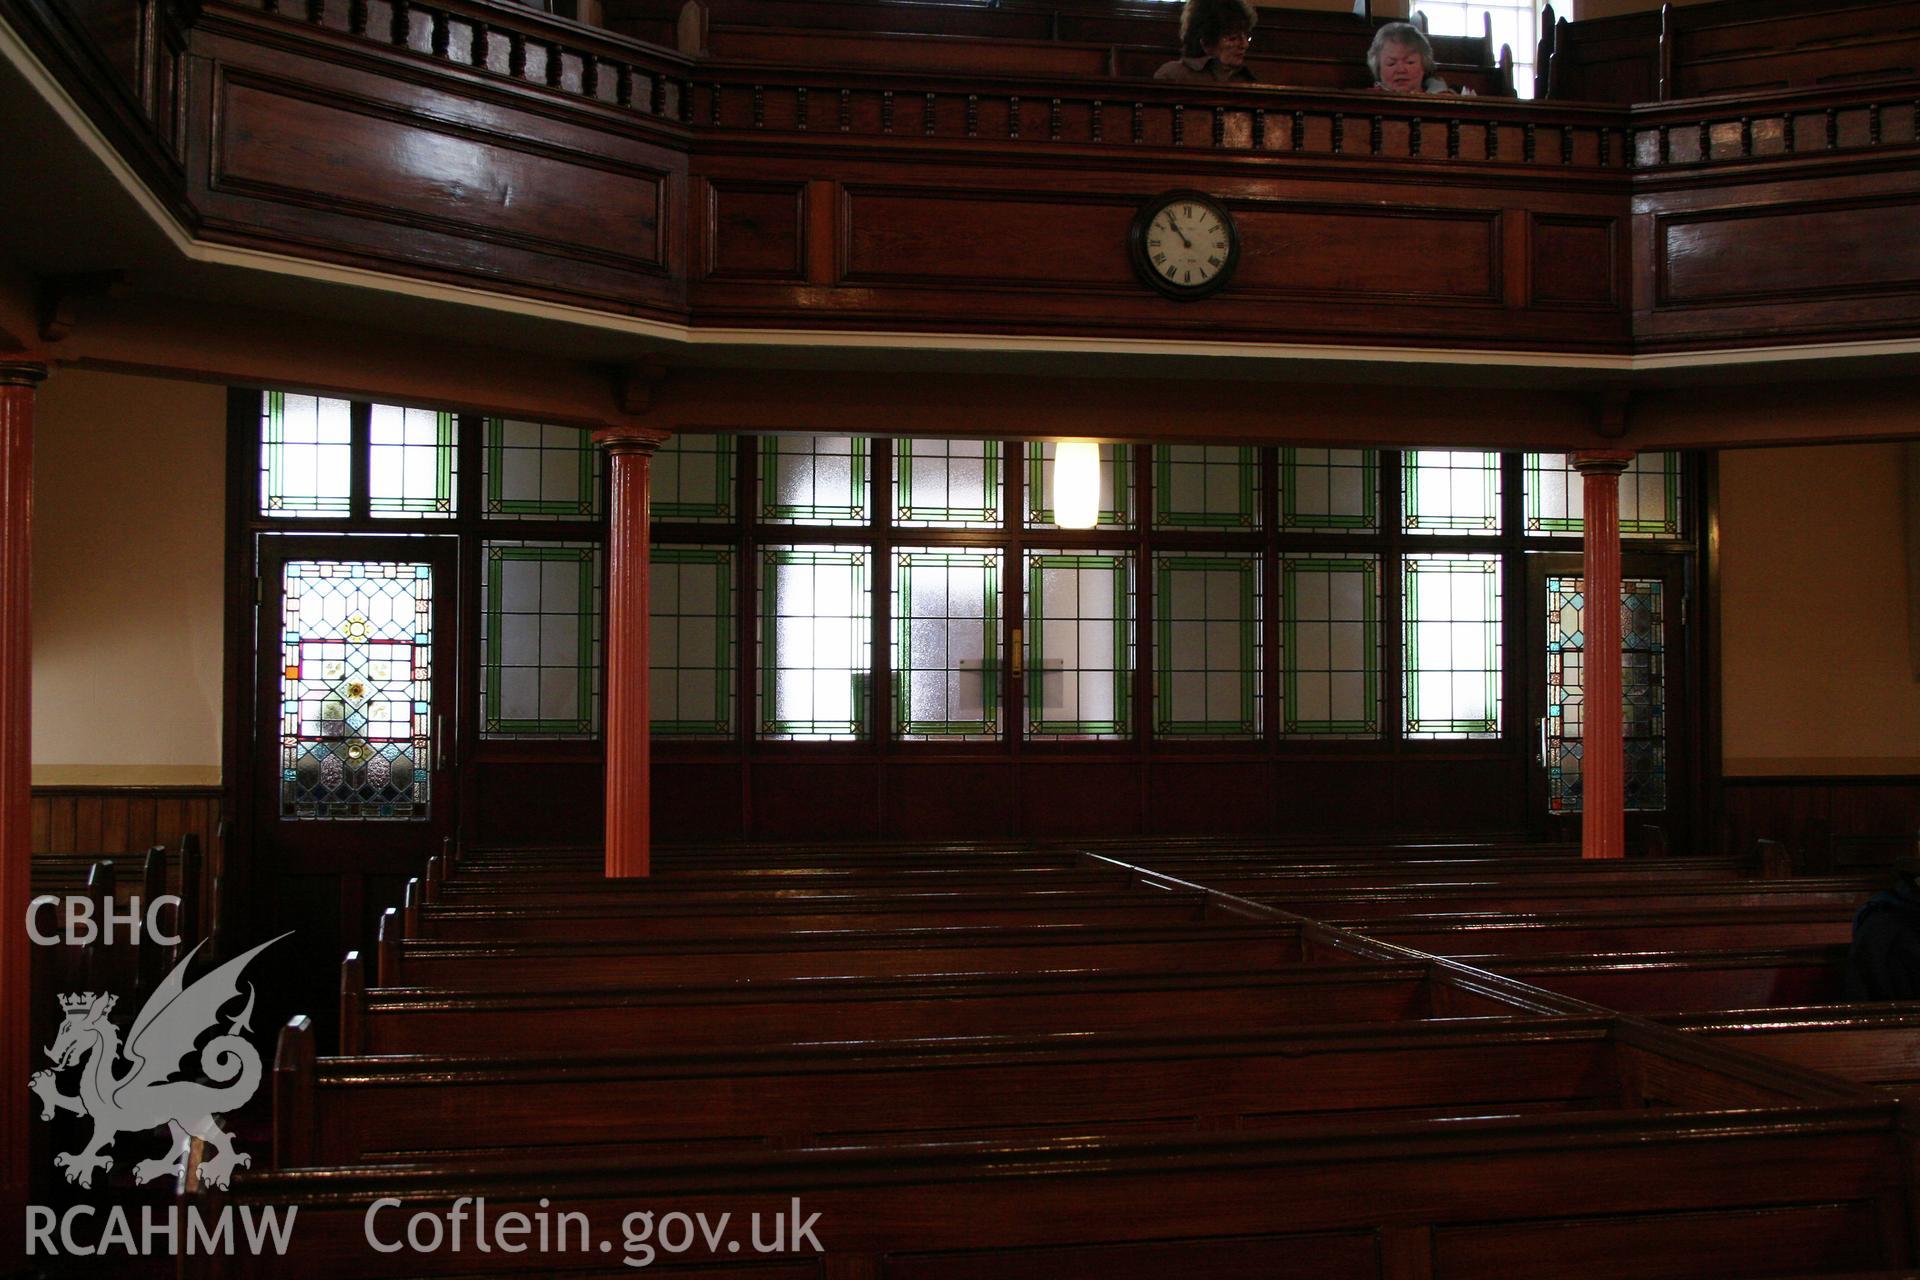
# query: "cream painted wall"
127,567
1816,670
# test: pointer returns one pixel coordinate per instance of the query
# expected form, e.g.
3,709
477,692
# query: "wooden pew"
721,917
1550,932
347,1110
1686,981
1871,1044
1389,901
567,964
1640,1190
772,1010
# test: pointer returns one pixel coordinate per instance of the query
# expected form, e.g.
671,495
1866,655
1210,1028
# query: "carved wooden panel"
326,158
1369,253
1814,249
756,230
1575,261
1021,239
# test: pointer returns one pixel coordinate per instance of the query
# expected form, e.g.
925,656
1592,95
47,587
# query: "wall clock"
1183,244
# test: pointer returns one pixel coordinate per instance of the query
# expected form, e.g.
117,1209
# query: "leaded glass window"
1643,689
536,471
1116,485
946,642
1449,491
356,690
814,480
1649,496
691,625
410,463
950,483
306,455
1335,490
1452,651
540,639
692,479
1206,487
1079,644
815,642
1206,623
1330,646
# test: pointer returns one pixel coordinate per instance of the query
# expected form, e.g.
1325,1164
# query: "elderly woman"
1401,60
1214,35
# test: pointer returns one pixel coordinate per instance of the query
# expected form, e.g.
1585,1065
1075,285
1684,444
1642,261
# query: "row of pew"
1022,40
1235,1058
1732,46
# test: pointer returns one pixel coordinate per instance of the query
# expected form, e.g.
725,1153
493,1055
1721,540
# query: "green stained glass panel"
540,639
1449,491
1337,490
1079,644
1116,485
691,603
1450,609
537,471
946,642
947,483
1330,646
1206,645
1650,496
815,480
815,642
306,455
1205,487
410,462
692,477
1642,691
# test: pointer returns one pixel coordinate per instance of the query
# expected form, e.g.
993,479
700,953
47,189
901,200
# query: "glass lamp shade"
1076,484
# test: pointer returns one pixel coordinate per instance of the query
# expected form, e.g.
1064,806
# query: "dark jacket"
1884,961
1203,70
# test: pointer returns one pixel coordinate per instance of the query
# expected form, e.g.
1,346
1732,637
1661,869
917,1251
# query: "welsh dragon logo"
144,1096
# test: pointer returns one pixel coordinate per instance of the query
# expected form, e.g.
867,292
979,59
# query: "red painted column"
17,382
628,727
1603,826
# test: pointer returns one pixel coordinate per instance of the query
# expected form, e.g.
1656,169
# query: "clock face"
1184,244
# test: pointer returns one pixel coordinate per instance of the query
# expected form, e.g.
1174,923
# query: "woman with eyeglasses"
1214,35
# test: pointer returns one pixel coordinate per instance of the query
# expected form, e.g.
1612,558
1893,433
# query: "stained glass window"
1337,490
410,463
356,690
946,643
1452,492
951,483
540,639
1643,688
692,479
1206,623
1205,487
1649,496
1451,621
535,471
815,642
814,480
306,455
1116,485
1330,646
1079,644
690,596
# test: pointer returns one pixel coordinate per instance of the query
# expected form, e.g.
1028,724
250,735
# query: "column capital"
16,372
629,439
1601,461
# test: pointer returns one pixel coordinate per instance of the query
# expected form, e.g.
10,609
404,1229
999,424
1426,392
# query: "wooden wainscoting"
1810,813
130,820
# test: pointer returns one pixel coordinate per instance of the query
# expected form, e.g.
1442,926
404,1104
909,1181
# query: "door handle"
1541,754
440,762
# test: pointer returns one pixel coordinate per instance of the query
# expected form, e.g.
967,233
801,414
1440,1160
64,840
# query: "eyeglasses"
1240,37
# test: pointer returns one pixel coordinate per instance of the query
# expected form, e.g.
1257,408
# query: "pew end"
153,886
294,1117
386,960
190,914
433,886
353,1004
410,908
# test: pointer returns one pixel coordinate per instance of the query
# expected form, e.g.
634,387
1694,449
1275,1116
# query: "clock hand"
1175,228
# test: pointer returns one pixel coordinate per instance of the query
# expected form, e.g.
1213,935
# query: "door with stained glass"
356,698
1652,686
